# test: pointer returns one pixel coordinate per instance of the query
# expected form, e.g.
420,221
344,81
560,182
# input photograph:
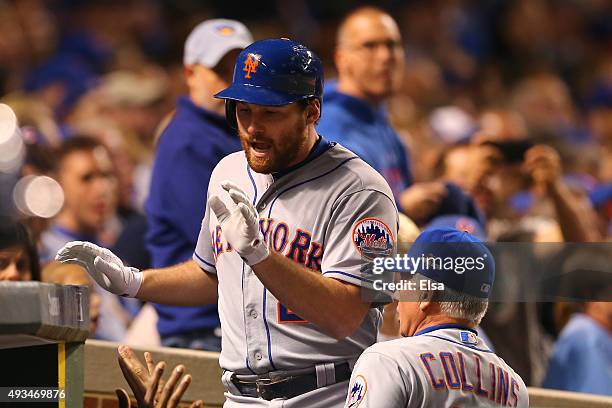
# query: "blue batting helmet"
274,72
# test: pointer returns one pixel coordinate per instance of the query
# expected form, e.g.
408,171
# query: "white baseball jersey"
441,366
330,214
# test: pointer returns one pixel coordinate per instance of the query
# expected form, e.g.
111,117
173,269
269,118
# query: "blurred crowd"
504,107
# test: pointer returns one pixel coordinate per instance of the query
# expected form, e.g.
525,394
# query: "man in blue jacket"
370,62
369,59
192,144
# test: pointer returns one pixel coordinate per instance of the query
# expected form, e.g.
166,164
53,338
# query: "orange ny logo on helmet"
250,65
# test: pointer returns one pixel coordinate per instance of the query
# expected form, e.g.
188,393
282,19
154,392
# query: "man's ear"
338,58
188,72
425,300
313,111
424,306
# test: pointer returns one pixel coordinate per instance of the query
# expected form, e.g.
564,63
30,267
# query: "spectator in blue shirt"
369,59
191,145
84,170
581,359
370,62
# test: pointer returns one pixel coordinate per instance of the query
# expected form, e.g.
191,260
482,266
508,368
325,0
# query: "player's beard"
282,154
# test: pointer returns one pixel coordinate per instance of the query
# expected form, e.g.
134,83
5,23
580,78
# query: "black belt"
288,387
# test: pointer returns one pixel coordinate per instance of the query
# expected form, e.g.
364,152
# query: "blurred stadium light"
39,196
12,149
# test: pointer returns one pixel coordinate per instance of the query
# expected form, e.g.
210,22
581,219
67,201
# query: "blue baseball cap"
457,202
75,76
601,195
456,259
459,222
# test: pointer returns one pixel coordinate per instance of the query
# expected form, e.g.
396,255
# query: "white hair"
459,305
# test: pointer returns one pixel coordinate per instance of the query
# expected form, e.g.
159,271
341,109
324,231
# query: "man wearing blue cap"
284,248
441,362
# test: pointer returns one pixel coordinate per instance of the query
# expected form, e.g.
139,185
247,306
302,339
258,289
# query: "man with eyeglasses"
370,59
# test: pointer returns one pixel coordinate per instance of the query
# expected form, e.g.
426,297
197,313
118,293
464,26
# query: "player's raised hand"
103,266
149,389
240,226
124,401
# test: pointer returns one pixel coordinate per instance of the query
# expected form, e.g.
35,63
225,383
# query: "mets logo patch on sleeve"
357,392
373,238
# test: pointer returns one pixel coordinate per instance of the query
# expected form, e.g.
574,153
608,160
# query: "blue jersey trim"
248,169
461,344
445,326
253,182
204,262
269,213
350,275
267,329
244,319
307,181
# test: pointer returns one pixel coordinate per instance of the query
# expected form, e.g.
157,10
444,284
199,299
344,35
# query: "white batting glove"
103,266
240,226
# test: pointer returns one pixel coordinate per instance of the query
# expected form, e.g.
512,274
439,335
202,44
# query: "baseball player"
442,362
285,246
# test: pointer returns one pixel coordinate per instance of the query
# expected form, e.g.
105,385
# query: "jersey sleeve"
204,255
376,381
363,227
